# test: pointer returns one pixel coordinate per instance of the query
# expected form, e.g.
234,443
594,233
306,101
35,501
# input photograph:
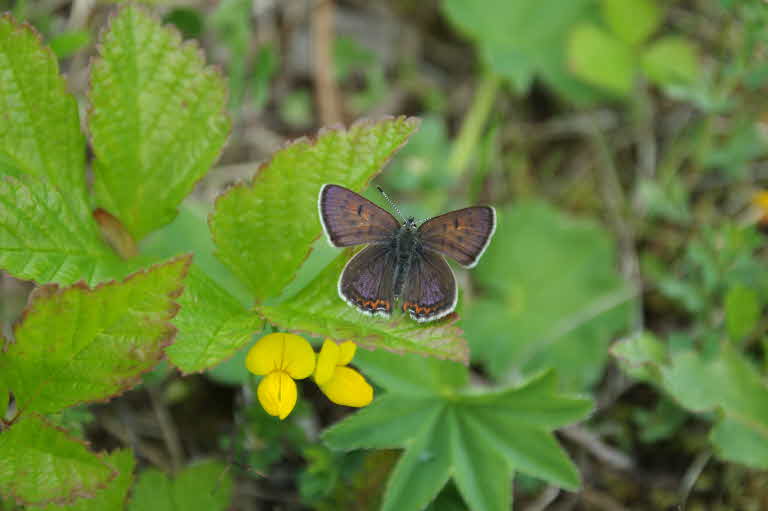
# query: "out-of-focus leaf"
601,59
742,311
78,344
67,44
157,120
39,126
40,464
188,21
641,356
203,486
318,310
633,21
263,229
554,300
671,60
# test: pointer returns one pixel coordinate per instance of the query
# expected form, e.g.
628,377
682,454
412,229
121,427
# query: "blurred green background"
622,143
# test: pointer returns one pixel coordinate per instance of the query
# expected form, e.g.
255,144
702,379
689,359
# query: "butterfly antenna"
391,203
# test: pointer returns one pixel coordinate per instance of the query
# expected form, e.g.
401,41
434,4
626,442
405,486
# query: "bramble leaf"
479,437
39,125
77,344
157,120
212,325
43,239
318,310
263,229
40,464
114,495
204,486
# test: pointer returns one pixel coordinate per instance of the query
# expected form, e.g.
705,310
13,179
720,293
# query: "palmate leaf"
77,344
39,125
43,239
157,120
477,437
318,310
114,496
204,486
212,325
263,229
40,464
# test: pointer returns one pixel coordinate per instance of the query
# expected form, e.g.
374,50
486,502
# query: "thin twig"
601,501
167,427
544,499
326,91
691,476
599,449
119,430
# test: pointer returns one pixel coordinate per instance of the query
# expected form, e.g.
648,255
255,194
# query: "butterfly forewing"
462,235
367,282
349,219
430,288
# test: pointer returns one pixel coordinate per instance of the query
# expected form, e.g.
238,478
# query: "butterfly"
404,261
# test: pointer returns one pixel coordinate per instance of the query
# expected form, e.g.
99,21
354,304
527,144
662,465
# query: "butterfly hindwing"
367,281
430,290
462,235
349,219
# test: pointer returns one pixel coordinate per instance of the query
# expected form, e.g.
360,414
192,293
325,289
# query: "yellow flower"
341,384
280,358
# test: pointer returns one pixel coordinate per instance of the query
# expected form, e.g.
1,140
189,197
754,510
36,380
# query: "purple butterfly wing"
462,235
349,219
430,290
367,282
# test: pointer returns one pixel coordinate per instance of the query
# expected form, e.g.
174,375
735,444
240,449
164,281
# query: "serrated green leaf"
204,486
39,125
599,58
742,311
555,299
731,384
43,239
115,495
319,311
671,60
412,374
78,344
212,325
263,229
40,464
634,21
157,120
479,437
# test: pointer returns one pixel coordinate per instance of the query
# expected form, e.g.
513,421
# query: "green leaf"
115,495
640,356
478,437
43,239
70,42
263,229
554,297
77,344
212,325
742,311
40,464
731,384
204,486
39,126
519,39
412,374
634,21
157,120
597,57
671,60
319,311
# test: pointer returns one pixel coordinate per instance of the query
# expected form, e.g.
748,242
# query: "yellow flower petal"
348,387
761,200
348,349
277,394
281,352
327,360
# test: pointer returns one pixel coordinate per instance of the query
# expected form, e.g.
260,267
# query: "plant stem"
472,127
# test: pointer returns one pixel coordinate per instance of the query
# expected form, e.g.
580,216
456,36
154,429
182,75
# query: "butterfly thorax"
405,244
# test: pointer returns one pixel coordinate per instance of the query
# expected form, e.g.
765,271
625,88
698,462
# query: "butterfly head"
410,223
